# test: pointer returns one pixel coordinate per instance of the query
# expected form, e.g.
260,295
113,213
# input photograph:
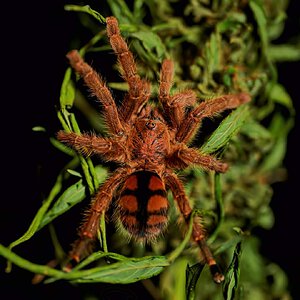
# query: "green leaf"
124,272
152,44
34,226
219,206
225,246
232,275
177,251
102,232
39,129
27,265
192,275
265,217
172,281
279,278
233,21
281,53
69,123
121,11
260,17
212,53
138,10
227,129
121,86
74,173
86,9
70,197
62,147
278,94
97,256
279,128
256,131
67,92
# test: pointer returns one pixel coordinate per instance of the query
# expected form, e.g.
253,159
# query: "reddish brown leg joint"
215,270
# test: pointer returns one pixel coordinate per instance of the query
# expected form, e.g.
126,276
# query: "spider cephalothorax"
149,143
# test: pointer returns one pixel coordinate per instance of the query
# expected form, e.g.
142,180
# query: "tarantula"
148,142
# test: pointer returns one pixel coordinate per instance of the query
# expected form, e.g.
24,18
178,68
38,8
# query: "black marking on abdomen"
148,222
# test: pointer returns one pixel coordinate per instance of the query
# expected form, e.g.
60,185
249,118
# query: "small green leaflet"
39,129
192,275
278,94
233,273
38,217
71,196
282,53
125,271
152,43
67,92
227,129
121,11
261,20
86,9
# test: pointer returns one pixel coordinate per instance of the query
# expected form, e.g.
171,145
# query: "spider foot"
216,273
244,98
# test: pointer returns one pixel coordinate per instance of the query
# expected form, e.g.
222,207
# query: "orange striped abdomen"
143,206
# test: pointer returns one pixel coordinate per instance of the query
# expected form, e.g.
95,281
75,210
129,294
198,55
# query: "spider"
148,142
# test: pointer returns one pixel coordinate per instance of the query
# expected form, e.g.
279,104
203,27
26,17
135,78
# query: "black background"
34,39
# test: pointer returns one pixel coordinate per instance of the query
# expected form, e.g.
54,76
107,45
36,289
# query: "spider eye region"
143,206
151,125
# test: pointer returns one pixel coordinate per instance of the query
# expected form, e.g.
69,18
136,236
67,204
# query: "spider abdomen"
143,206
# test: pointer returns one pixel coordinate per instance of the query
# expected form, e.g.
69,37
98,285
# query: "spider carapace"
148,142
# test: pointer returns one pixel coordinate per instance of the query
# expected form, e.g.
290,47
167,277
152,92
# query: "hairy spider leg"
173,106
98,88
198,233
88,144
99,205
183,156
139,90
205,109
